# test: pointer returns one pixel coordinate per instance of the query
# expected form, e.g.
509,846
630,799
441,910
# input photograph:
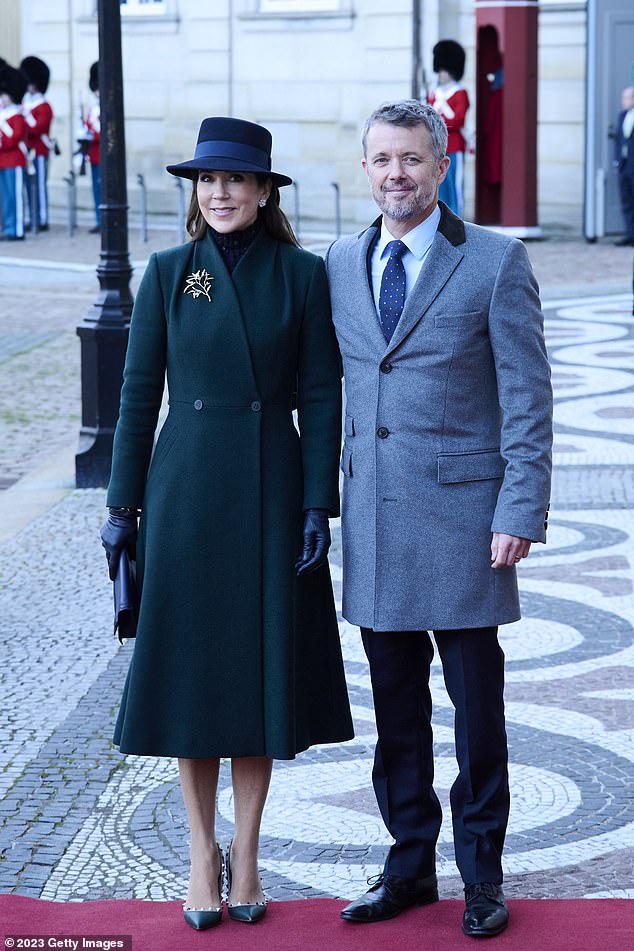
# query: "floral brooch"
198,283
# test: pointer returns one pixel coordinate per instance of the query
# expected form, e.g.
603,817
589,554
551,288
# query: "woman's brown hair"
272,217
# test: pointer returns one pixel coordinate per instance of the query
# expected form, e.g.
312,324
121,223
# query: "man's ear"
444,168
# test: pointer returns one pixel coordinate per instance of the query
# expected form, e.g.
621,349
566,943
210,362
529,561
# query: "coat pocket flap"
470,466
458,320
349,425
346,461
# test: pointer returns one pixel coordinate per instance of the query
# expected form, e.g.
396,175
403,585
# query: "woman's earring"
262,202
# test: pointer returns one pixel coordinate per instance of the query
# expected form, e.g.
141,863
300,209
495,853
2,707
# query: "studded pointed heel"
247,912
200,919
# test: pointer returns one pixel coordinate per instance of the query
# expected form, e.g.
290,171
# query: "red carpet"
314,925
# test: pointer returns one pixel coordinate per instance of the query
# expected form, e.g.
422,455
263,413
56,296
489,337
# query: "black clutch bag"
126,598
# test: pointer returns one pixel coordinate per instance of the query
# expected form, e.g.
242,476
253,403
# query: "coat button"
382,432
256,406
198,404
386,367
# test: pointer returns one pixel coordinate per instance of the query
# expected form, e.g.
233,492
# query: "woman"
237,651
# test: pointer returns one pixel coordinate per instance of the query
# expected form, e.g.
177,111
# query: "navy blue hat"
231,145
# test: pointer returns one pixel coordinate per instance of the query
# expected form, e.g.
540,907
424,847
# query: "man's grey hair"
409,113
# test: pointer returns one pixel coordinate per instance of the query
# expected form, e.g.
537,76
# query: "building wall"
10,46
561,104
311,79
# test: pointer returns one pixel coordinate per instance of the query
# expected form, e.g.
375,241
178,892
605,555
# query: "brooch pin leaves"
198,283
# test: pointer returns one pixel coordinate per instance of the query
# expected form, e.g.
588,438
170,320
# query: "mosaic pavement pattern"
79,821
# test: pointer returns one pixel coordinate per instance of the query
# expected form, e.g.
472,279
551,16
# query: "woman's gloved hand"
316,541
119,532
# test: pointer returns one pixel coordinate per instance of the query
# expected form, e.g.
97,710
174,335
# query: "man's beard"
406,208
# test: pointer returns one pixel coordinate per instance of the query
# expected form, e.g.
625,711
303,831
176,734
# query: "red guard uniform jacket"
452,102
12,133
93,124
38,116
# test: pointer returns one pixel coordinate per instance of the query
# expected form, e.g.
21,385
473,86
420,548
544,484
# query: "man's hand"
507,550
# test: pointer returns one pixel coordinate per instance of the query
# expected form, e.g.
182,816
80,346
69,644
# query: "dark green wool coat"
234,655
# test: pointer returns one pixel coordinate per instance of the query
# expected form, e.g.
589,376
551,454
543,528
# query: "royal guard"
12,151
450,99
93,128
38,115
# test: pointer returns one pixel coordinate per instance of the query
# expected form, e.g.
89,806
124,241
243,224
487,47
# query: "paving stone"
78,821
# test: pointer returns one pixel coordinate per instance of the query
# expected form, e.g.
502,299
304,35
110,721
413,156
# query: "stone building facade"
311,70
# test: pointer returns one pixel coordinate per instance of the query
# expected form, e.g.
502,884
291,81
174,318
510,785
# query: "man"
451,101
12,152
93,131
38,115
447,472
624,162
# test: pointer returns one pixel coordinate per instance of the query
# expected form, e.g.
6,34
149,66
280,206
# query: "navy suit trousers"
473,669
626,191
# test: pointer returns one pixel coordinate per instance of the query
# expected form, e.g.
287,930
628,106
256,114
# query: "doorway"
610,67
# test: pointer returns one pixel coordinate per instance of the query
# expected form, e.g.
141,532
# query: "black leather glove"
316,541
119,532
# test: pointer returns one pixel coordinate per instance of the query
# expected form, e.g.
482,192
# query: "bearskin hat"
38,72
13,82
93,79
450,56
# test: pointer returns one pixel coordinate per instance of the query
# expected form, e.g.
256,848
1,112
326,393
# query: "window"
143,7
298,6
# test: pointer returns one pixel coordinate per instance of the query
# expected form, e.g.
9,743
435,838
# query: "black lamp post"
104,331
417,60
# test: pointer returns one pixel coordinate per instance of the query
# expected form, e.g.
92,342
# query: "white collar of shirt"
418,242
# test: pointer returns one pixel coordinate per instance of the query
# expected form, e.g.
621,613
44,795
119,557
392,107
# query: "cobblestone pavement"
79,821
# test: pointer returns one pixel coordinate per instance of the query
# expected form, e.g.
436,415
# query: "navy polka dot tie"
392,294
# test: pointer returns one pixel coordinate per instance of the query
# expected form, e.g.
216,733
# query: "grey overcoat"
448,431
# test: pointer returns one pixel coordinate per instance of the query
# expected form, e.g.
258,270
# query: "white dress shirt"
419,240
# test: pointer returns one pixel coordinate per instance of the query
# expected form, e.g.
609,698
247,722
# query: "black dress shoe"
485,913
389,896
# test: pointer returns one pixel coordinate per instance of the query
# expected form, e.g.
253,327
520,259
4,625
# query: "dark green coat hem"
272,754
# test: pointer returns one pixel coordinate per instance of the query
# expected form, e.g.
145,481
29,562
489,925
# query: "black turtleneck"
233,245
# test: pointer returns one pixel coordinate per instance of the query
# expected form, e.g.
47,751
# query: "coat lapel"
362,292
261,294
226,303
444,257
